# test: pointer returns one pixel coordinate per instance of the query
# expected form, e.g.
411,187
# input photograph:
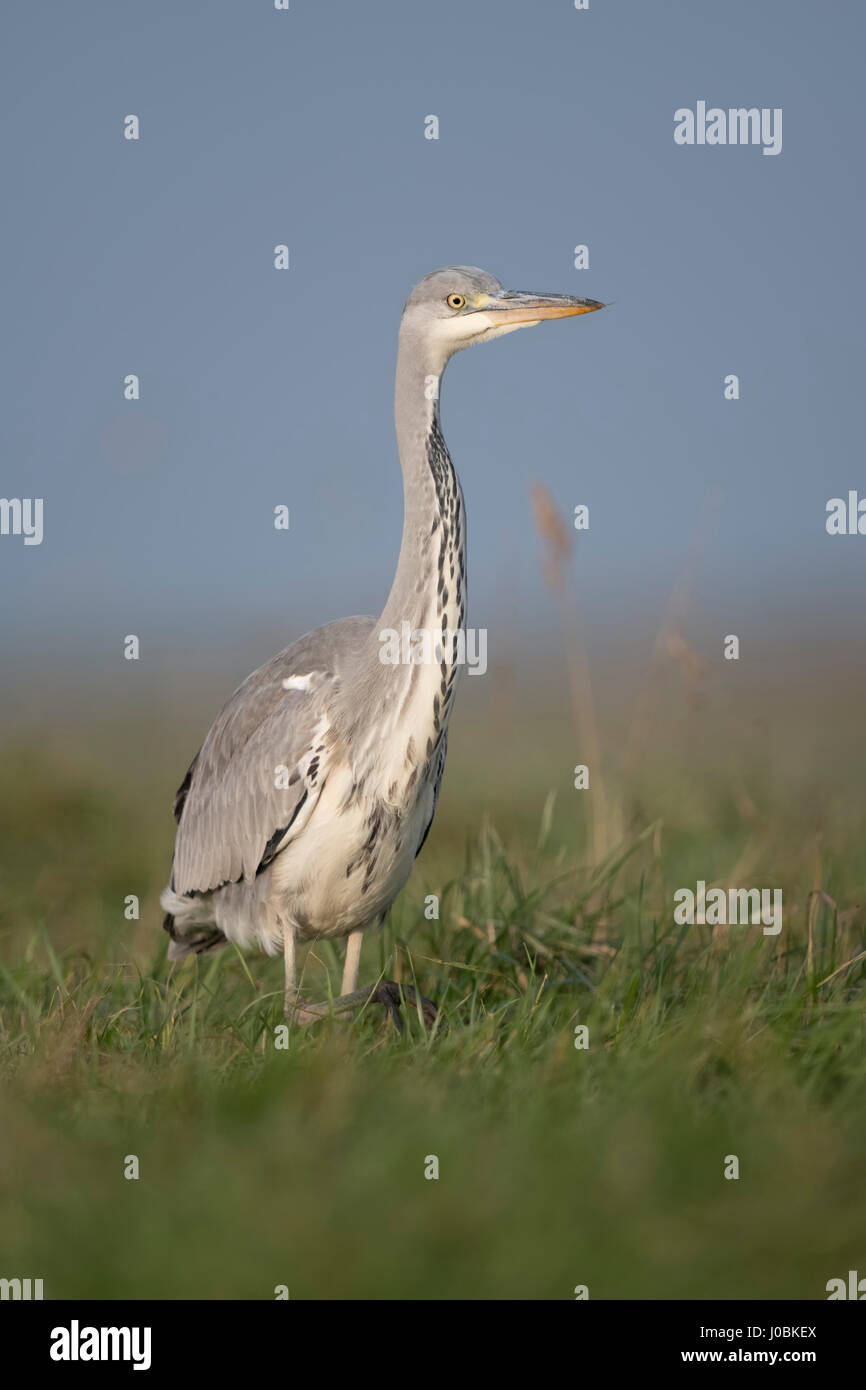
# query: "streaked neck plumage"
428,594
434,530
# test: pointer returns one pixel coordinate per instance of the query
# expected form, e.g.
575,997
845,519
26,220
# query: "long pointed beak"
517,307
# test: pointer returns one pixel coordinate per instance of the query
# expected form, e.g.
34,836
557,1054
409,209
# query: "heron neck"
432,558
413,687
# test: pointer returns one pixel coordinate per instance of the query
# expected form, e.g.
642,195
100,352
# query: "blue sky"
262,387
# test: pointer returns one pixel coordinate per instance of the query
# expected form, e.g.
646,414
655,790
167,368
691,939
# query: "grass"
305,1166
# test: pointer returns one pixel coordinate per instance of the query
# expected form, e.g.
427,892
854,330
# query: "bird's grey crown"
452,279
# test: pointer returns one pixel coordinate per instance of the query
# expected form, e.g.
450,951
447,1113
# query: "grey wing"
261,768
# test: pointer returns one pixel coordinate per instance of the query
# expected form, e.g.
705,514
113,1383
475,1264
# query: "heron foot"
386,992
391,995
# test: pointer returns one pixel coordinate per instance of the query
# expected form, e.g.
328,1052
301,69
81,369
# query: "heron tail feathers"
190,925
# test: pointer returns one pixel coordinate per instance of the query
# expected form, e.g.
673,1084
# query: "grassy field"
558,1166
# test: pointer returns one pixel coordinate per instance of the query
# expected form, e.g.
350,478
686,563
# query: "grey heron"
302,814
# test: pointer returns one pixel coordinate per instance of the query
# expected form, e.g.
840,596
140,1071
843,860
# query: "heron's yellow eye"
456,301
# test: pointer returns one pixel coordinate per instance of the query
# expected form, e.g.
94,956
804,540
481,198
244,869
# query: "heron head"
451,308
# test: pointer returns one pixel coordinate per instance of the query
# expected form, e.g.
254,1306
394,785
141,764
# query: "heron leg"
290,958
353,961
296,1008
385,992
